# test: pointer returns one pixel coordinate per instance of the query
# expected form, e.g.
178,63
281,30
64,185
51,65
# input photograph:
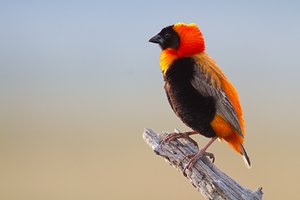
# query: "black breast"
194,109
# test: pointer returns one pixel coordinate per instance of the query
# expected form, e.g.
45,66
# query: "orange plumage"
197,89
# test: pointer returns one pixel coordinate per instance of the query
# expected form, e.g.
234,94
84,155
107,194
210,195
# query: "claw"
211,156
173,136
195,157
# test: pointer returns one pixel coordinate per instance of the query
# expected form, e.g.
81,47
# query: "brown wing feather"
206,84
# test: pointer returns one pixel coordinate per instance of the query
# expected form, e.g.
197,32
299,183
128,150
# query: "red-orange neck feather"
191,39
191,43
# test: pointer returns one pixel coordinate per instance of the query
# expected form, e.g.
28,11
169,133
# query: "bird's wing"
205,84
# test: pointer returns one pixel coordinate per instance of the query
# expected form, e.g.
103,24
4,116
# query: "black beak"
156,39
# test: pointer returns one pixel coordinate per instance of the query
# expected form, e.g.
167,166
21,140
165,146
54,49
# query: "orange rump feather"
223,129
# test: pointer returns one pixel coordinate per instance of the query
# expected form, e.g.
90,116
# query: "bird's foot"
173,136
195,157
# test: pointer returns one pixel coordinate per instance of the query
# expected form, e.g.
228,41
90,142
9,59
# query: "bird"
198,91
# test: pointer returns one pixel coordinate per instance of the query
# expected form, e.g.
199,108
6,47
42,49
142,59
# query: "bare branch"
204,175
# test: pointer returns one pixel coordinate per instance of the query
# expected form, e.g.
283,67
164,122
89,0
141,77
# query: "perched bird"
198,91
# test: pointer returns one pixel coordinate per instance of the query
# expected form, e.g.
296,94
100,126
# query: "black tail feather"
245,156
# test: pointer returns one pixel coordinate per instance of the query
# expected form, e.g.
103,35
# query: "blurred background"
79,82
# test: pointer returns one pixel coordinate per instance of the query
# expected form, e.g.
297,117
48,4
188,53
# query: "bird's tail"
236,142
245,156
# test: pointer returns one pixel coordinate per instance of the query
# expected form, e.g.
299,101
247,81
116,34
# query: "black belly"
194,109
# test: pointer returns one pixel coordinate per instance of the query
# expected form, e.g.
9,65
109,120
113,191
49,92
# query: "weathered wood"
204,175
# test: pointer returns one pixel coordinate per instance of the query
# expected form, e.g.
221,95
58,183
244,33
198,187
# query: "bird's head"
182,39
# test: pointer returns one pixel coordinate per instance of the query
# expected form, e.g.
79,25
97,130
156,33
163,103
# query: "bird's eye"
167,35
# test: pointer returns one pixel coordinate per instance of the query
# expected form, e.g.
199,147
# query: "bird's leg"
202,152
173,136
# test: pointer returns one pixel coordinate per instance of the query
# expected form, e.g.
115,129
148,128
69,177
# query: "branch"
204,175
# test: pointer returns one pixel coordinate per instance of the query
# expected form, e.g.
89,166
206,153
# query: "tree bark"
204,175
